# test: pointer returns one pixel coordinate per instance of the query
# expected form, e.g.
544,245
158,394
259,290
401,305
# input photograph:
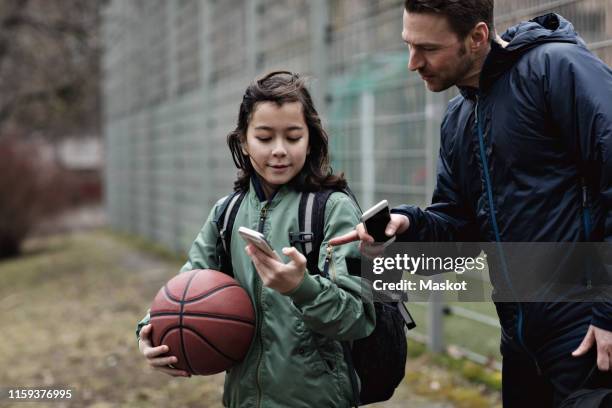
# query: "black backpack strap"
225,224
312,225
305,236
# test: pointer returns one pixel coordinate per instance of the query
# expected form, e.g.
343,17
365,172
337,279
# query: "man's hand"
603,341
276,275
153,354
398,225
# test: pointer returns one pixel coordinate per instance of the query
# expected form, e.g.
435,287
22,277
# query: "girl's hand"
153,355
276,275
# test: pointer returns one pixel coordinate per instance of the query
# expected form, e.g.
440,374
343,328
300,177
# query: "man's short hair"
462,15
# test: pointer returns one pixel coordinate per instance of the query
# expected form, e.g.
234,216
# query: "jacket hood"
522,38
547,28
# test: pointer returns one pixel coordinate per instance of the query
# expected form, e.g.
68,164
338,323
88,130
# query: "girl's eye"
263,139
294,139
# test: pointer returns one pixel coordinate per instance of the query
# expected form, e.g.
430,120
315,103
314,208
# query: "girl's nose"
279,150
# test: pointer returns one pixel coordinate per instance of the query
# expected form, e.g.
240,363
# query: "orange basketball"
205,318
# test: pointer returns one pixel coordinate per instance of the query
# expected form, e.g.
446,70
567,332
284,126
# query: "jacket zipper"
327,263
586,222
489,192
262,219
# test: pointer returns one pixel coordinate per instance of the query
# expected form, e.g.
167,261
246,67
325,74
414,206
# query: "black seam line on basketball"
207,294
181,324
169,295
212,316
163,336
193,330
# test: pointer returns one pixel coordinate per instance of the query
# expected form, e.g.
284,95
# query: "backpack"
379,359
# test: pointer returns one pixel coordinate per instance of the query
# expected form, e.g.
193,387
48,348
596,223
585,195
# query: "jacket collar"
257,189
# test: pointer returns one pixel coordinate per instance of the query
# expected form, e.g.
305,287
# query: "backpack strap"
311,220
225,224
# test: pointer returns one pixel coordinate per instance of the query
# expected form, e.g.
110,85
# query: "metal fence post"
319,20
368,166
432,134
252,10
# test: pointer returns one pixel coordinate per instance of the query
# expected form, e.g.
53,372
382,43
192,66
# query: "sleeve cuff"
307,290
602,316
410,234
146,320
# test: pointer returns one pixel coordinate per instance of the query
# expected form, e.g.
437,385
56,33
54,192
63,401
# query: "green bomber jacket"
296,358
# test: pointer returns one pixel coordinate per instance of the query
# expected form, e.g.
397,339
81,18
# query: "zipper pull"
585,193
262,217
329,264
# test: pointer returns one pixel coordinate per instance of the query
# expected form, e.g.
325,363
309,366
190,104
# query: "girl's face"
277,143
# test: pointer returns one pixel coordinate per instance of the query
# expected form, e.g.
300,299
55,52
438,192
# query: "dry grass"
70,306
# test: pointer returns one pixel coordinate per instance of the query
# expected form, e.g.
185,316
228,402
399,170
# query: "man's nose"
416,61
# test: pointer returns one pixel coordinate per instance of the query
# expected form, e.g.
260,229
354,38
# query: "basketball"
205,318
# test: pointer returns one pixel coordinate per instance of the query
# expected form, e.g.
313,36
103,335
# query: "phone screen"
377,224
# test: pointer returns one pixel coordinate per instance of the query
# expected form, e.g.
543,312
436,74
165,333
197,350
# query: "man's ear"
479,36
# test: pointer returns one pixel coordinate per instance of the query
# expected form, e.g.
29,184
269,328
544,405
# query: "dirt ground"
69,309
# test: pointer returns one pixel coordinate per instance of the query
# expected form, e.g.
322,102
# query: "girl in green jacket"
296,358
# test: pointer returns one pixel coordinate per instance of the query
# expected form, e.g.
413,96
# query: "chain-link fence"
174,74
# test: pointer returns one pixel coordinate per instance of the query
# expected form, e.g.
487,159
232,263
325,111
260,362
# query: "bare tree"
49,66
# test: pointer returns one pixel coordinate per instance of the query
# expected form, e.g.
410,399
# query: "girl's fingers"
262,270
261,257
145,334
162,361
152,352
173,372
295,255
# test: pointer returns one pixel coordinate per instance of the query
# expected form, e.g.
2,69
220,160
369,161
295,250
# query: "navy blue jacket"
545,111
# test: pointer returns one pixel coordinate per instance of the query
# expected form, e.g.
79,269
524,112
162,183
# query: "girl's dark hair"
282,87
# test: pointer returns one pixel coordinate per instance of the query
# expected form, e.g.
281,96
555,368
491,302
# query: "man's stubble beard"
465,65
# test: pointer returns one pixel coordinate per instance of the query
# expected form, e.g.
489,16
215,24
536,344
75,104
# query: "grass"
461,331
70,306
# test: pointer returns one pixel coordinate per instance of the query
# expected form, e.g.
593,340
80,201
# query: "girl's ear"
243,148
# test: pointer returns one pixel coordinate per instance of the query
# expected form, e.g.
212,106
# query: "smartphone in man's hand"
375,221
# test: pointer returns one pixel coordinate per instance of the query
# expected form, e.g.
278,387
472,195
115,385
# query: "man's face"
436,52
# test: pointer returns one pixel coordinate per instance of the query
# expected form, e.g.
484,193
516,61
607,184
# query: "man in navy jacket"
525,156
